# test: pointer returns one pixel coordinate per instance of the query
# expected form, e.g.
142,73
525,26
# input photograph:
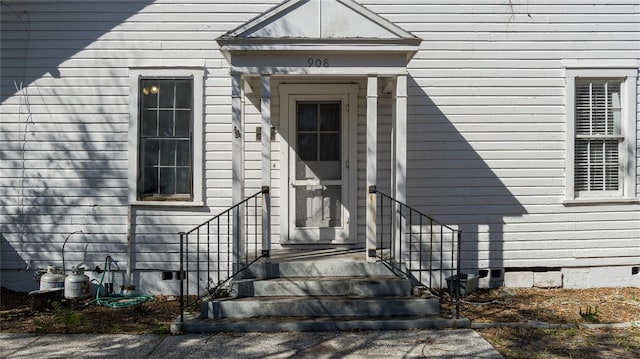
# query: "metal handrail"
214,241
417,243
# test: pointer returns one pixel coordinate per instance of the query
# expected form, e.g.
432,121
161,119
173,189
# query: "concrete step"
323,286
326,268
193,324
254,307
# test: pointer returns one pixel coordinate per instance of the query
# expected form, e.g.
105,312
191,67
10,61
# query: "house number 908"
318,62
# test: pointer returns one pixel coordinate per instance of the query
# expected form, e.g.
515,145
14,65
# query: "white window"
601,133
165,137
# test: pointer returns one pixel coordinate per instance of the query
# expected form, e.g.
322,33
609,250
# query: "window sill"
167,203
599,201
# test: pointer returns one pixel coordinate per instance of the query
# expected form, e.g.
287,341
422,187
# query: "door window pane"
330,147
307,117
330,117
308,146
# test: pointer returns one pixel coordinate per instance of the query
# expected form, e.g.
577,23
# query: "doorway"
320,175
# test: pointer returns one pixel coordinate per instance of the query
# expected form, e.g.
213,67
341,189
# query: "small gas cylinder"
54,278
77,284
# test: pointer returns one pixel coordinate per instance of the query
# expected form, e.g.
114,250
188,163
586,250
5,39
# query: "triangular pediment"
328,20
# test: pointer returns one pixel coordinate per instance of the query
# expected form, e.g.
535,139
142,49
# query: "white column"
237,172
400,159
372,150
265,109
400,140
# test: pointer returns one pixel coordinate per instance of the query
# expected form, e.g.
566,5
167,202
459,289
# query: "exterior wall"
70,116
485,140
486,128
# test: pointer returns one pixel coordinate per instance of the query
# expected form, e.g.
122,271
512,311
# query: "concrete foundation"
547,279
167,283
518,279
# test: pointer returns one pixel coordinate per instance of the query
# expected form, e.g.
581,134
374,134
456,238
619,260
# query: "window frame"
627,147
197,76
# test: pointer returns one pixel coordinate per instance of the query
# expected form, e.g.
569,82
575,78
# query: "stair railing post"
459,261
181,277
371,224
266,222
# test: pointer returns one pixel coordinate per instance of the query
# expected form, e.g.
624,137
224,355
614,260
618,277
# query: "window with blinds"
598,135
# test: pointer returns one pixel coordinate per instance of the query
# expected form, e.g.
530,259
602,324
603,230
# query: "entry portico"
317,63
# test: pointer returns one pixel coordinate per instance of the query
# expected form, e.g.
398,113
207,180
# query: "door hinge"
346,164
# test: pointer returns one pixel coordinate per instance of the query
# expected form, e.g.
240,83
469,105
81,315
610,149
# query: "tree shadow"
38,38
449,180
64,165
69,203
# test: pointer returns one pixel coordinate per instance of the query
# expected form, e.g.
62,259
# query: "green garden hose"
118,300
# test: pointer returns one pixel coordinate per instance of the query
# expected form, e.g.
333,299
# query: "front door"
320,197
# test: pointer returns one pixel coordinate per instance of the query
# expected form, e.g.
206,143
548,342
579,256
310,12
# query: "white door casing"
314,179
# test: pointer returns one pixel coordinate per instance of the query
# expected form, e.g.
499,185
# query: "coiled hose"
118,300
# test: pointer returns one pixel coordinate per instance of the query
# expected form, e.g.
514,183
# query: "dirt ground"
16,316
560,306
575,308
581,311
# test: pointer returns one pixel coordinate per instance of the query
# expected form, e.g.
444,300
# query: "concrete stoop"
317,296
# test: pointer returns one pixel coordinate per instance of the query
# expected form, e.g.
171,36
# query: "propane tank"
54,278
77,284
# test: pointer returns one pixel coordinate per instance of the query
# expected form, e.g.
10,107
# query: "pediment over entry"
320,25
319,19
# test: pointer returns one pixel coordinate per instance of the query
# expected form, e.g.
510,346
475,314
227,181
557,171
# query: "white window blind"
598,135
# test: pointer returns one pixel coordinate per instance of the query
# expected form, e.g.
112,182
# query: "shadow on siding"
37,38
64,165
449,179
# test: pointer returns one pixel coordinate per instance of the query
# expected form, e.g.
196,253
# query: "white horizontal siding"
486,125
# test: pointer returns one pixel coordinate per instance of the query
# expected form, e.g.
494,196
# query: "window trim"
197,74
627,158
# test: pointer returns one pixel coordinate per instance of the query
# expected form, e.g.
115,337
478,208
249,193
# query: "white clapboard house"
495,137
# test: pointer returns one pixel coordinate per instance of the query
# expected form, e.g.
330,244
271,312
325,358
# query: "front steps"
378,286
311,295
324,306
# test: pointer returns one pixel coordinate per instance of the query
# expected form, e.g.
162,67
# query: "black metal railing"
415,244
209,256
